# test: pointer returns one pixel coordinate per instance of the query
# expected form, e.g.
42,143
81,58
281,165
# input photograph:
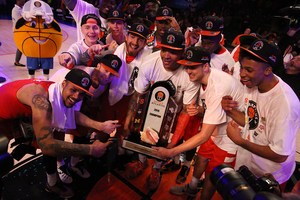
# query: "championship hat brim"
110,70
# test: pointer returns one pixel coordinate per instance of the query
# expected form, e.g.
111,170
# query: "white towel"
62,117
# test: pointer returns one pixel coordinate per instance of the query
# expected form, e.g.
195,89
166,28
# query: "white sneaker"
79,170
64,175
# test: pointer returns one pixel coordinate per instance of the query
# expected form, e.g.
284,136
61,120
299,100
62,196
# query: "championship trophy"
153,121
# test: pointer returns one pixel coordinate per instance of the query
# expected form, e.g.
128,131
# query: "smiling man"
51,105
162,66
270,117
164,21
216,148
90,29
79,8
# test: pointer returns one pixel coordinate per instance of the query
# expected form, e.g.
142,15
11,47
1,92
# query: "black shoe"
183,174
200,184
121,164
170,166
60,189
19,64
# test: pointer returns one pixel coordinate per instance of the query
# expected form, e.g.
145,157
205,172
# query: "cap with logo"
79,79
195,56
264,50
112,63
247,39
173,40
211,26
139,29
162,12
116,15
86,19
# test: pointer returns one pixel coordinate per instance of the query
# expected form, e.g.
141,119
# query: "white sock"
177,159
74,160
31,76
194,182
142,158
187,163
157,164
51,179
46,76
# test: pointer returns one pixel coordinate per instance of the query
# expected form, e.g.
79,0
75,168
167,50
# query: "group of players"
239,114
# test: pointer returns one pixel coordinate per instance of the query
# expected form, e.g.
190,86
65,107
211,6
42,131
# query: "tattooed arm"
35,96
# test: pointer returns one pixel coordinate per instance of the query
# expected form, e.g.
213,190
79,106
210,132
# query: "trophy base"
136,147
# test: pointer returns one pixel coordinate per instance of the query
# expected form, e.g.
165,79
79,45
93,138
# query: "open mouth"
39,41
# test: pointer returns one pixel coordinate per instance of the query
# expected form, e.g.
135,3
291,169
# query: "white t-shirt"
82,8
272,119
77,49
152,70
16,13
220,84
223,57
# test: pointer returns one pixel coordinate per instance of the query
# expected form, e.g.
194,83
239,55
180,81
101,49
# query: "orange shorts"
216,155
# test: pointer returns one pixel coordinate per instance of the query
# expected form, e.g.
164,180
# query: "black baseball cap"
247,39
162,12
211,26
139,29
85,19
264,50
112,63
154,1
173,40
116,15
195,56
79,79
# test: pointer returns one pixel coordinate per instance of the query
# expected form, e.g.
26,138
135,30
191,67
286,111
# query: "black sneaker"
200,185
184,172
170,166
60,189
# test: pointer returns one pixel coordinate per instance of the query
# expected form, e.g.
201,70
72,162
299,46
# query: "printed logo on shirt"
252,115
37,4
203,105
133,76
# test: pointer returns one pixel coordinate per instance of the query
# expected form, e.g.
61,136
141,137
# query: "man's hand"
113,45
109,126
125,133
192,109
228,104
98,148
96,49
171,145
65,60
225,69
233,132
173,22
161,152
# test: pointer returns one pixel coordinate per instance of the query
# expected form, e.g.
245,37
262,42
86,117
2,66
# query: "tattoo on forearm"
41,102
48,133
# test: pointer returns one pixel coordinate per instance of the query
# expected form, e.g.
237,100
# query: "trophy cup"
154,117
